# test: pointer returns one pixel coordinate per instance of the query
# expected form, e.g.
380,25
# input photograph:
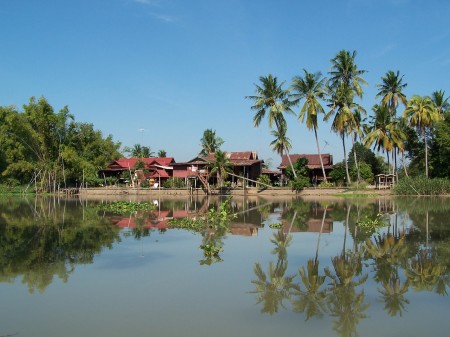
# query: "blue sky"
160,72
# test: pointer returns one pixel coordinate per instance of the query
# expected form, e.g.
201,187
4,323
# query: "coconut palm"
282,144
311,88
272,99
422,114
221,166
210,143
344,84
390,91
342,105
378,134
356,127
162,154
344,71
442,104
139,151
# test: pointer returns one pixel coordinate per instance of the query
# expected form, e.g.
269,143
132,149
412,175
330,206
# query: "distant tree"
422,114
221,166
311,89
162,153
367,156
210,143
139,151
273,100
344,84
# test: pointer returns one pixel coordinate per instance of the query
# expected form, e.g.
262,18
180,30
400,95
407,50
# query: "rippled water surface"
336,267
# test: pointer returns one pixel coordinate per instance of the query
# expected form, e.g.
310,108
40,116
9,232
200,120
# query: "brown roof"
313,160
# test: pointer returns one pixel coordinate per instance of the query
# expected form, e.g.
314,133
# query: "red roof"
313,160
128,163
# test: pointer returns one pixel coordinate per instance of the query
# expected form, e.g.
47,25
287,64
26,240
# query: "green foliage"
210,250
365,172
300,183
422,186
276,225
264,178
300,169
126,207
370,224
145,184
50,148
338,174
365,155
174,183
326,184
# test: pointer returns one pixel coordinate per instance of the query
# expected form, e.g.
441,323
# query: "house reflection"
247,222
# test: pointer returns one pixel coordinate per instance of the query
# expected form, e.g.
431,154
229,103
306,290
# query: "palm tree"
442,104
139,151
390,91
221,166
272,99
344,71
282,144
162,154
210,143
311,89
355,126
345,82
422,114
273,289
378,134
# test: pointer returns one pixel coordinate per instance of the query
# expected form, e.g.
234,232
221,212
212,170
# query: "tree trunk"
345,159
426,154
320,156
403,162
356,158
290,163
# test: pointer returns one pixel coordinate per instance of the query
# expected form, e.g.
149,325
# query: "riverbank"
343,192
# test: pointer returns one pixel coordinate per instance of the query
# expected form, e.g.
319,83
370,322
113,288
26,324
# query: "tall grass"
422,186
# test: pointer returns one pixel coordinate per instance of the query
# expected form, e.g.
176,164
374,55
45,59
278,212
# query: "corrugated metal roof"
313,160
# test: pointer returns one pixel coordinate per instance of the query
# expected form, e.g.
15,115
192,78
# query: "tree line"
50,150
420,134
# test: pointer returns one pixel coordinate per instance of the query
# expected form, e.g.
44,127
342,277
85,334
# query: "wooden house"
313,165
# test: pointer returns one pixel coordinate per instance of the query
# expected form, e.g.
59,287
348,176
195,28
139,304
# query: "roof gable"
313,160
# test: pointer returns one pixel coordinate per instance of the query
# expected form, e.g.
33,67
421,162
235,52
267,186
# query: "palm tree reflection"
275,287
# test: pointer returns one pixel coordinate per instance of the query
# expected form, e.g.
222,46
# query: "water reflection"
44,238
347,271
407,253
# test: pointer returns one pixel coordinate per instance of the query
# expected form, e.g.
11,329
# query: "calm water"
333,269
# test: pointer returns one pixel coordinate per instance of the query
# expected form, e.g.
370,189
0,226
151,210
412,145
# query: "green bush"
299,184
174,183
365,172
326,184
422,186
264,179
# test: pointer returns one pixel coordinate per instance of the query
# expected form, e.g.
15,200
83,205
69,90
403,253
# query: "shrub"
174,183
299,184
422,186
264,179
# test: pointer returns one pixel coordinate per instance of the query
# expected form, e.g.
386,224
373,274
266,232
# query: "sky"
161,72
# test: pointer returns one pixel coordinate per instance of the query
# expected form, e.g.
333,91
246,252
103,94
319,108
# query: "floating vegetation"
192,224
370,225
276,225
127,207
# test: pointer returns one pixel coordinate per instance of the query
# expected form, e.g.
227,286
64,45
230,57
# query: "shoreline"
307,192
